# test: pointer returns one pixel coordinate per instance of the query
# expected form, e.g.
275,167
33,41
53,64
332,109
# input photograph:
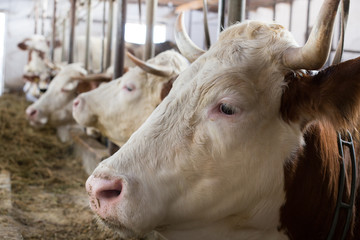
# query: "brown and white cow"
39,70
243,147
54,107
119,107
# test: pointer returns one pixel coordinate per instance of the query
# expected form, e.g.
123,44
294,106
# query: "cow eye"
129,88
226,109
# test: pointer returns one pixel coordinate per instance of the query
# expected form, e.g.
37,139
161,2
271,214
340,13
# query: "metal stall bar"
53,37
206,25
103,38
236,11
88,31
120,39
291,14
274,9
221,16
109,33
63,54
307,21
36,17
72,31
43,16
150,21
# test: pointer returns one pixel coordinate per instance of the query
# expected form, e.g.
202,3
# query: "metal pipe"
120,39
291,14
150,21
103,38
36,20
206,25
88,32
43,16
72,31
236,11
307,21
53,38
274,9
221,14
63,54
109,33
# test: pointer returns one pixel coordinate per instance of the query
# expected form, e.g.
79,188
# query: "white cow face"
119,107
190,163
208,163
54,106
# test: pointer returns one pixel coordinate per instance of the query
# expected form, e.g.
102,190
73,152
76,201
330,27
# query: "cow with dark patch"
244,146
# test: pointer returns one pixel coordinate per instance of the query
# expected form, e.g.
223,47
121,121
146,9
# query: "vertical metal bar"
236,11
43,16
206,25
274,10
53,38
109,33
150,21
88,33
72,31
221,15
36,20
307,21
190,23
63,54
120,39
103,38
291,14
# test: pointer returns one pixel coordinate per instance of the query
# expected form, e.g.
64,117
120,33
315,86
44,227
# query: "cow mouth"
124,231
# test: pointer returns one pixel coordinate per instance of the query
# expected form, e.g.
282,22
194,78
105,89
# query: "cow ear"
70,86
22,46
332,94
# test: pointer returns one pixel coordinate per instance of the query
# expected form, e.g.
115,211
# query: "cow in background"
243,147
39,70
119,107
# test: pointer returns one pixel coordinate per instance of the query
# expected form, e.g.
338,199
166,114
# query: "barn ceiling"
181,5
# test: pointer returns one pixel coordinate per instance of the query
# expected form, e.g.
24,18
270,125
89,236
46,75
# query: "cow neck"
311,186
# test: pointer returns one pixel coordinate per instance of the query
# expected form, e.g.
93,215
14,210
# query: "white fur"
55,105
192,172
118,112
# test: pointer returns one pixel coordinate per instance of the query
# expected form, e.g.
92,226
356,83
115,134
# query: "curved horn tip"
186,46
149,68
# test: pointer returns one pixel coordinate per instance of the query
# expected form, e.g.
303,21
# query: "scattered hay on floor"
48,193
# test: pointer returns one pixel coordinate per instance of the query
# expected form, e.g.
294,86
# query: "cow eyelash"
130,89
226,109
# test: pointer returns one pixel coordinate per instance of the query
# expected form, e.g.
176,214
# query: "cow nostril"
76,102
32,112
109,194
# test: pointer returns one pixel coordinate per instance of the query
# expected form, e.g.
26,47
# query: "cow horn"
315,52
150,68
187,47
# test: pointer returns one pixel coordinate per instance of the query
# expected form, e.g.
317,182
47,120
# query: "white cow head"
208,163
54,106
119,107
38,72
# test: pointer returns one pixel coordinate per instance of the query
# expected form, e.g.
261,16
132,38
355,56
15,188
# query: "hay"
48,194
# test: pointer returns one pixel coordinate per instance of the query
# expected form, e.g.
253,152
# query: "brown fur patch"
166,88
332,94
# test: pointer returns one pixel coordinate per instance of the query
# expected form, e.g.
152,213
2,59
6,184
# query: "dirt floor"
48,194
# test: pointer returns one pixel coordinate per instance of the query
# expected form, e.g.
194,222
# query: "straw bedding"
48,195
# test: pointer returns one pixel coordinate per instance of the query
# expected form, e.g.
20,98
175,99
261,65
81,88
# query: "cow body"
243,147
119,107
